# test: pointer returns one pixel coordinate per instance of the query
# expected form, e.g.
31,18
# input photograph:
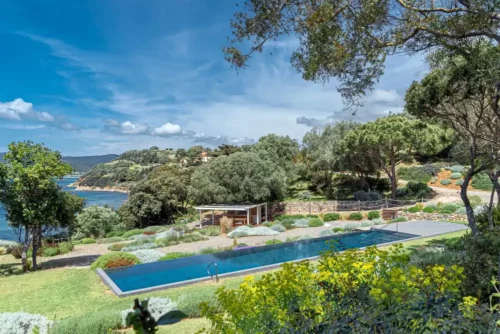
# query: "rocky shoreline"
107,189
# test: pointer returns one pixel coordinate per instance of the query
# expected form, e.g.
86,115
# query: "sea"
112,199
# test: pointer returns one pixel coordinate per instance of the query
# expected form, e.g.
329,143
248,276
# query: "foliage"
446,182
32,199
366,223
273,242
373,215
285,216
457,169
50,251
156,306
113,260
448,208
461,211
280,150
414,209
349,227
115,234
428,209
414,190
399,220
278,227
483,222
326,233
184,238
475,200
159,198
95,322
434,256
301,223
365,196
175,255
459,182
482,182
226,224
87,241
244,231
24,323
315,222
253,179
455,176
356,216
331,217
378,221
133,232
116,247
111,240
422,174
97,221
148,255
288,223
211,231
155,228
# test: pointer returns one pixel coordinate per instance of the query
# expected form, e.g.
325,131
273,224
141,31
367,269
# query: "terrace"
241,214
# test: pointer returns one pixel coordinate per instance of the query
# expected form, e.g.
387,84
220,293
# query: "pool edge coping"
119,293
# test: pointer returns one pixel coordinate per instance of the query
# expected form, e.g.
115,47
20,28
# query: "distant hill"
85,163
126,170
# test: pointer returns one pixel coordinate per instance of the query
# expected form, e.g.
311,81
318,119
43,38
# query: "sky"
97,77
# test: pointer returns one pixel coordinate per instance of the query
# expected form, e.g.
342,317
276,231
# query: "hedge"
113,260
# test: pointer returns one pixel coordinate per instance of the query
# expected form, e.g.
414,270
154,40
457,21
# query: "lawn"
59,293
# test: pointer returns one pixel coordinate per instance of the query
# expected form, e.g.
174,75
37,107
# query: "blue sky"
97,77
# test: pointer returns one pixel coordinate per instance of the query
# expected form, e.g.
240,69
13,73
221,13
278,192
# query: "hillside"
84,163
125,170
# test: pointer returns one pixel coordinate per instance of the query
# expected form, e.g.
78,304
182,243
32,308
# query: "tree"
461,91
159,198
237,178
34,202
323,153
350,40
226,149
279,149
95,221
389,140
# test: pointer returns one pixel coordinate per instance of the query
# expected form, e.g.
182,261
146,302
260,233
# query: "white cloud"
19,109
127,127
68,126
167,129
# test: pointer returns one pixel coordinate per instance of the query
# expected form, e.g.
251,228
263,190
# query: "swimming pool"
146,277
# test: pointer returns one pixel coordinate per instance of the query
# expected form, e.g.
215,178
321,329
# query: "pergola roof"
235,207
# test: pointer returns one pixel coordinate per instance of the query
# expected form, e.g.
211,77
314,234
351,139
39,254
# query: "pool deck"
420,229
424,228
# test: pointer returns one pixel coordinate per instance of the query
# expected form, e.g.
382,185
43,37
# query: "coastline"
107,189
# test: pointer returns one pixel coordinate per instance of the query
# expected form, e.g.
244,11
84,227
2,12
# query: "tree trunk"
490,207
393,176
26,246
36,237
494,180
468,207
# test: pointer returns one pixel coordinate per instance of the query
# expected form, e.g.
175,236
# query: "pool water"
157,274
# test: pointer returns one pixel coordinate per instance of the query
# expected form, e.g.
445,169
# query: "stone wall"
433,216
325,206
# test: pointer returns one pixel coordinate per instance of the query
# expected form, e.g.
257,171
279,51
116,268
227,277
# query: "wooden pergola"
245,213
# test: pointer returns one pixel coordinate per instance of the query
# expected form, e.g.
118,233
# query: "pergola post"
266,213
213,217
248,216
259,214
201,219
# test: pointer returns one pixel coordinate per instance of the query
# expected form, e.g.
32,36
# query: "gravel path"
443,193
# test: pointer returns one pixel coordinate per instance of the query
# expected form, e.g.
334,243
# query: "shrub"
273,242
87,241
413,190
448,208
175,255
115,234
226,224
3,250
143,237
288,223
475,200
285,216
399,220
301,223
168,235
113,260
337,229
461,211
350,227
244,231
148,255
23,323
356,216
455,176
433,180
132,247
267,224
111,240
130,233
378,221
325,233
414,209
8,243
292,239
154,228
116,247
482,181
373,215
364,196
433,256
315,222
96,221
65,247
446,182
192,237
416,173
278,227
329,217
95,322
210,231
50,251
157,307
428,209
305,195
366,223
459,182
457,169
210,250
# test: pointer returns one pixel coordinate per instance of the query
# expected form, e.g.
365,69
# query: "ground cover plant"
115,259
245,231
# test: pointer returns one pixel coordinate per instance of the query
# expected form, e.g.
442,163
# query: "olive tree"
242,177
281,150
95,221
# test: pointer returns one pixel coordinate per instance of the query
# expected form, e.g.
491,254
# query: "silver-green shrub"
278,228
157,306
378,221
23,323
133,248
243,231
455,176
350,227
168,235
301,223
366,223
326,233
148,255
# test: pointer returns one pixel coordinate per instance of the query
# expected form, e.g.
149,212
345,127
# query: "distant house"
204,156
